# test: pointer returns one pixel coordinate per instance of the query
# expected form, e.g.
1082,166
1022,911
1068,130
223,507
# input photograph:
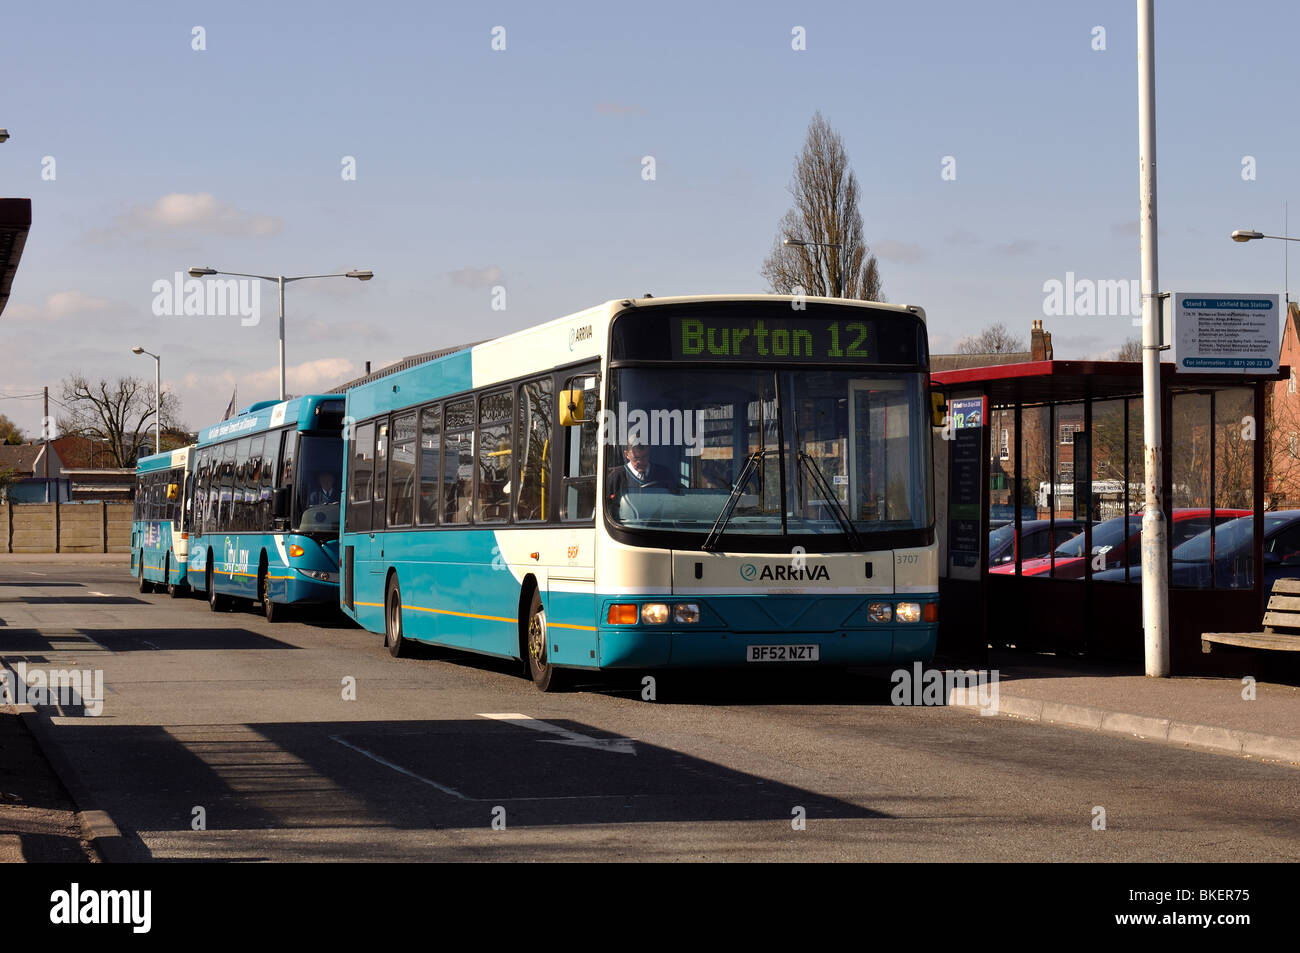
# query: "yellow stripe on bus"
473,615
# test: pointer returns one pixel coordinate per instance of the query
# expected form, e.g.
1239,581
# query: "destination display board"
766,335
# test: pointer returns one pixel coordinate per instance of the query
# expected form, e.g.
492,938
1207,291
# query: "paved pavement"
246,720
1243,717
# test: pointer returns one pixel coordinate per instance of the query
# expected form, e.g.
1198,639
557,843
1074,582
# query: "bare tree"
1130,350
995,339
825,210
10,432
120,414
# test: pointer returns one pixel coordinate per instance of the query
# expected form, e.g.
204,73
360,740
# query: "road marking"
399,769
566,737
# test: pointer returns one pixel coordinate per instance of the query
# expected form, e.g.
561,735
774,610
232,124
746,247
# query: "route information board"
1226,334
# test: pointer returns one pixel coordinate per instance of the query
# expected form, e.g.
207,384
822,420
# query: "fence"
65,527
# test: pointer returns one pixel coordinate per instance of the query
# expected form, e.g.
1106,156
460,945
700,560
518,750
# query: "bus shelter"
1047,457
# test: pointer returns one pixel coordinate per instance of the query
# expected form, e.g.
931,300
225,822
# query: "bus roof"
302,413
568,340
167,460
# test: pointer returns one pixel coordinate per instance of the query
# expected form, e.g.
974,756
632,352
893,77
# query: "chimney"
1039,346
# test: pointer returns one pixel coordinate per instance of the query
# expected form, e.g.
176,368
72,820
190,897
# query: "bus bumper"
642,647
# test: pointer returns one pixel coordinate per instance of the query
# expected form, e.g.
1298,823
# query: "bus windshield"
797,453
316,493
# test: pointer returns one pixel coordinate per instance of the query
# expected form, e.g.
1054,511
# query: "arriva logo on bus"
209,299
750,572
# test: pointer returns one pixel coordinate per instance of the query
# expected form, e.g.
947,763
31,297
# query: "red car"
1114,538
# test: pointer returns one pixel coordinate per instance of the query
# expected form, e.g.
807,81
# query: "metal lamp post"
157,396
844,269
281,281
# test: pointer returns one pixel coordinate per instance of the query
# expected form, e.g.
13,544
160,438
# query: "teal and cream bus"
159,521
265,516
721,481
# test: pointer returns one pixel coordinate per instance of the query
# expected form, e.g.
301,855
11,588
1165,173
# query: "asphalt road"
306,741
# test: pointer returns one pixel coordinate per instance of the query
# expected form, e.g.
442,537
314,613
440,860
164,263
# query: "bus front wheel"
545,675
274,611
393,619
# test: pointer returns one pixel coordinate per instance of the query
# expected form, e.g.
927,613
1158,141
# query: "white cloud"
903,252
183,212
310,377
61,304
620,109
470,277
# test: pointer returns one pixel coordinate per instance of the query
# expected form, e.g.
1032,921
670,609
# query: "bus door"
571,584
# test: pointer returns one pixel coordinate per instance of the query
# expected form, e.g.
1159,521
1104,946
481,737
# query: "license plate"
781,653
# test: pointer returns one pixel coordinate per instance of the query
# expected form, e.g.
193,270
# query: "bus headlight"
686,613
321,575
880,612
654,613
909,612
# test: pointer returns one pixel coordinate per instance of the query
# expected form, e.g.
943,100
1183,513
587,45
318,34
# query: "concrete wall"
65,527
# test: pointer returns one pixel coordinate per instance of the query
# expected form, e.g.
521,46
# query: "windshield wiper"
828,494
711,541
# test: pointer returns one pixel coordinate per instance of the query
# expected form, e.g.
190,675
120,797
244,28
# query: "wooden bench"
1281,624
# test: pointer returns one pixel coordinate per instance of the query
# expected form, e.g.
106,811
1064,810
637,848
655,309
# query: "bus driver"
638,473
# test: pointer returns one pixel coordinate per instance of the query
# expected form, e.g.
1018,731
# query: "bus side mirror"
572,407
280,503
938,407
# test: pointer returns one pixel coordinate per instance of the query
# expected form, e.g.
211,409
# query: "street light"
4,134
157,396
1246,235
844,270
281,280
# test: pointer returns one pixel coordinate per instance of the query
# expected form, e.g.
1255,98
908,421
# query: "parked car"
1037,538
1119,540
1229,559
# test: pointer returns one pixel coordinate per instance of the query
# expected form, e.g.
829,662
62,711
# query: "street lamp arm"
342,274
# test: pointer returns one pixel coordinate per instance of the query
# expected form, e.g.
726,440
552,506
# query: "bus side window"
252,485
430,464
532,472
580,454
401,472
361,468
458,461
221,486
379,484
495,419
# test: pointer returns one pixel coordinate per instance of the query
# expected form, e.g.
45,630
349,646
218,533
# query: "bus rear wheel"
545,676
393,619
216,601
145,586
174,589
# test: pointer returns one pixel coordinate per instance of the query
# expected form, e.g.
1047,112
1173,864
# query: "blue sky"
522,167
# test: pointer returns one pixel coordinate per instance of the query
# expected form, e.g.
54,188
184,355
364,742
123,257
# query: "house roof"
26,458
